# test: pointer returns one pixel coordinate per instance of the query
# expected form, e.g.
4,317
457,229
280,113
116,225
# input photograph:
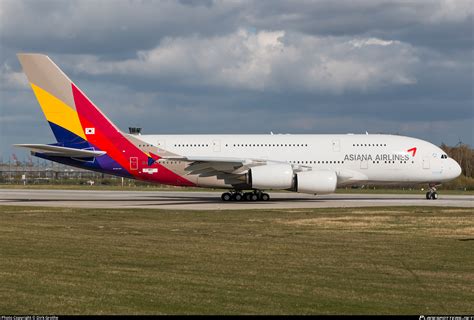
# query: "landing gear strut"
256,195
432,194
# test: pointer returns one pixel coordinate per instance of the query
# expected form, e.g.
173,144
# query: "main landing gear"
256,195
432,194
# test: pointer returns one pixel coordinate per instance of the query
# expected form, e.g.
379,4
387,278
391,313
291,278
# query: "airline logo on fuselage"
377,157
381,156
412,151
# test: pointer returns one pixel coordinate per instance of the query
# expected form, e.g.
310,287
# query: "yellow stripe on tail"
57,112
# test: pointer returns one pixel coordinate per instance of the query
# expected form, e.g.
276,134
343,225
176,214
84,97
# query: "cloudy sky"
401,67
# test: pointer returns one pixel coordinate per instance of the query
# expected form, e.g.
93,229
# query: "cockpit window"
444,156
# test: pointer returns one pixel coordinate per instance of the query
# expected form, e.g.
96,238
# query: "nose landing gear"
432,194
256,195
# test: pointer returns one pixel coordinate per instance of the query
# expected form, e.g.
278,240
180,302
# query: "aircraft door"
161,144
364,164
336,146
426,162
216,145
133,163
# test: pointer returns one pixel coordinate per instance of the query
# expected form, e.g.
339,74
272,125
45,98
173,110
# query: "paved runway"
212,201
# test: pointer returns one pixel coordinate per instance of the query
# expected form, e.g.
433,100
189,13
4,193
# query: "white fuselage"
368,158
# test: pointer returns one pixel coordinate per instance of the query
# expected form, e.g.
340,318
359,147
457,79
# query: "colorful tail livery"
85,136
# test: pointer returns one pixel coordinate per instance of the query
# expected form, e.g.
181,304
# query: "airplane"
246,164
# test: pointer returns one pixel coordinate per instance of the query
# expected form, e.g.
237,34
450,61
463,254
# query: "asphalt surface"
212,201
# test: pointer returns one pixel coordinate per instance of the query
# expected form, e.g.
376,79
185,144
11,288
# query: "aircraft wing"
231,165
58,151
217,166
231,170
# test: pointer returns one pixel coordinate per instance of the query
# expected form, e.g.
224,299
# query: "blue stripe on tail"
68,139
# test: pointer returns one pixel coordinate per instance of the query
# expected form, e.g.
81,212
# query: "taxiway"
211,200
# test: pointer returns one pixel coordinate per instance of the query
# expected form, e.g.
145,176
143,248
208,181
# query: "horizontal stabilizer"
57,151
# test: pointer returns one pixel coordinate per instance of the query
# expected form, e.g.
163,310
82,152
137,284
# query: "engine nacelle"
271,176
316,182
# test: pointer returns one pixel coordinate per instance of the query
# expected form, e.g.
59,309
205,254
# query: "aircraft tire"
265,197
226,196
237,196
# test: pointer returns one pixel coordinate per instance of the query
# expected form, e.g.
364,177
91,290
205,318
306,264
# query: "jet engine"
271,176
316,182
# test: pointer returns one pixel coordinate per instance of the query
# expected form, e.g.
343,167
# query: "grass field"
305,261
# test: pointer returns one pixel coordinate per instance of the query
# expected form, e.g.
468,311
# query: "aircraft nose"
455,169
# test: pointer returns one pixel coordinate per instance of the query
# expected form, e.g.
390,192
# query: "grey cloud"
270,60
442,25
120,28
115,28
